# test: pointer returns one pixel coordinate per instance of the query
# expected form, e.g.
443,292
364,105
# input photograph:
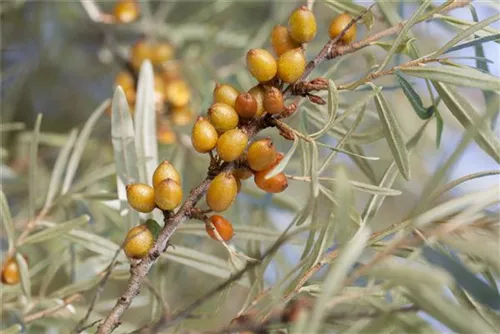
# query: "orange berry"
125,80
181,115
261,154
221,192
273,101
291,65
141,197
223,227
261,64
161,53
338,24
225,94
302,25
126,11
140,51
276,184
168,195
138,242
223,117
10,272
204,136
246,105
165,170
258,93
177,93
281,40
232,144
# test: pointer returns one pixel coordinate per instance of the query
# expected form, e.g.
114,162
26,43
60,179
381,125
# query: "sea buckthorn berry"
126,11
170,71
177,93
138,242
258,93
225,94
204,136
168,194
141,197
276,184
125,80
221,192
181,115
161,53
281,40
246,105
261,64
223,227
261,154
130,95
165,134
159,88
223,117
291,65
242,173
302,25
165,170
140,51
10,272
273,101
338,24
232,144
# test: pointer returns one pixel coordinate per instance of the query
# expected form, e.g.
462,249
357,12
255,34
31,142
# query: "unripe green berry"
168,195
281,40
246,105
273,101
223,117
221,192
291,65
204,136
302,25
141,197
232,144
261,64
258,93
165,170
225,94
261,154
138,242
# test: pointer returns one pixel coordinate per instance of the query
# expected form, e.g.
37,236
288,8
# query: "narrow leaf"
413,97
403,48
56,231
7,220
314,170
333,103
33,167
25,276
475,42
344,228
280,167
439,128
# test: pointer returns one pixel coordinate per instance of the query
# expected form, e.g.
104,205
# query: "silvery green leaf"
333,103
57,230
33,167
402,48
52,269
344,229
314,170
25,276
81,142
79,286
478,247
475,42
349,153
353,9
413,97
394,136
93,177
93,242
280,167
7,219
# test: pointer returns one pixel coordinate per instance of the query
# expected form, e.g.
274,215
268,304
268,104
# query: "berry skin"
276,184
168,195
140,51
261,64
181,115
232,144
258,93
223,227
10,272
221,192
242,174
273,101
225,94
125,80
338,24
281,40
141,197
246,105
161,53
165,170
291,65
302,25
204,136
126,11
261,154
138,242
177,93
223,117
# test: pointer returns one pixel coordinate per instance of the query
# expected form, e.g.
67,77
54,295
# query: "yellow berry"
10,272
273,101
165,170
168,195
258,93
223,117
138,242
221,192
141,197
161,53
232,144
177,93
181,115
291,65
281,40
125,80
246,105
261,64
140,51
338,24
225,94
204,136
302,25
223,227
126,11
261,154
170,71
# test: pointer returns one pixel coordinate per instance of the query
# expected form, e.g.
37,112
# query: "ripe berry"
168,195
177,93
231,144
181,115
125,80
261,64
140,51
258,93
10,272
165,170
223,227
138,242
302,25
281,40
225,94
126,11
141,197
204,136
246,105
291,65
170,71
276,184
273,101
242,174
223,117
338,24
221,192
261,154
161,53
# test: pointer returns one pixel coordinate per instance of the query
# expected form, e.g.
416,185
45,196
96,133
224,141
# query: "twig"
52,310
